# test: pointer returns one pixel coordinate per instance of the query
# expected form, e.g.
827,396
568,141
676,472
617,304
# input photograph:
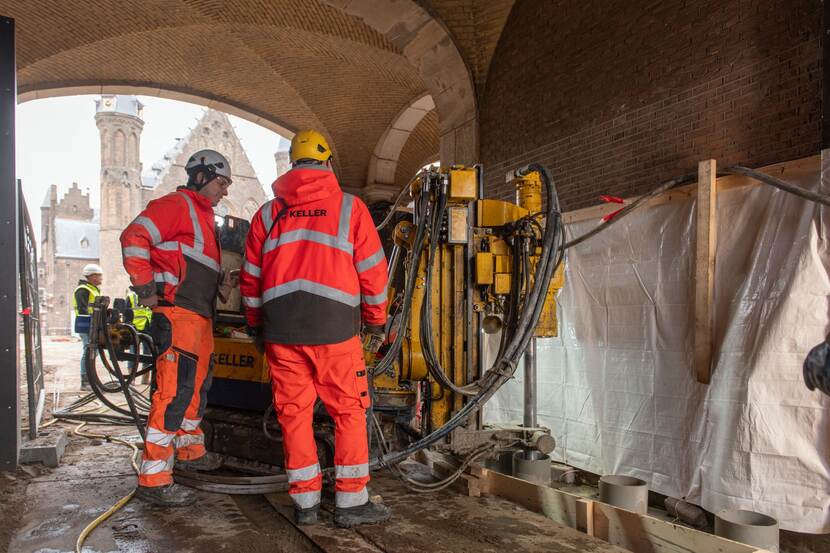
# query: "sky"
58,143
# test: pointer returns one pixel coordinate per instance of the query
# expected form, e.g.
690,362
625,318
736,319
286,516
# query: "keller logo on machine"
307,213
235,360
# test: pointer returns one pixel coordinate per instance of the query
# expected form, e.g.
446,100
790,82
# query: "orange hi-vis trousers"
337,373
183,374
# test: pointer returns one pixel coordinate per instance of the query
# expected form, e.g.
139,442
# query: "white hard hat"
211,162
92,269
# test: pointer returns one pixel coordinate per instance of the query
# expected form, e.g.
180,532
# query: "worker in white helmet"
82,300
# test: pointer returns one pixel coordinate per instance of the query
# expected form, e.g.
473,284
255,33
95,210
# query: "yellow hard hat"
309,144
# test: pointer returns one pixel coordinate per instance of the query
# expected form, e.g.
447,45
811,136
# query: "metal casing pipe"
529,419
626,492
748,527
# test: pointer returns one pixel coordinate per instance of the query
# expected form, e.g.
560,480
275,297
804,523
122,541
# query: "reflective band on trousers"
370,261
351,471
155,436
169,278
302,285
303,474
305,500
252,269
133,251
340,241
189,439
155,467
351,499
190,425
375,300
251,302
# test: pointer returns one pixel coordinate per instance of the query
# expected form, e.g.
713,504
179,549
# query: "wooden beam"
626,529
585,516
704,267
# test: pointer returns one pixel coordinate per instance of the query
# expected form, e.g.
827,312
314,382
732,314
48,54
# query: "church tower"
120,125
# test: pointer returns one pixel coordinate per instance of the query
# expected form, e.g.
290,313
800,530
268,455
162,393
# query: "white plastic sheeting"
618,386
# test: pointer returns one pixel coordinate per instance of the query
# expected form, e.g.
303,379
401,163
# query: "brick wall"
617,100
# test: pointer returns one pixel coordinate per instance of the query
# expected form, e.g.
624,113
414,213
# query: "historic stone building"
73,236
69,231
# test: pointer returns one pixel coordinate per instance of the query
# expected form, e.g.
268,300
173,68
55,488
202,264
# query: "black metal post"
825,76
9,373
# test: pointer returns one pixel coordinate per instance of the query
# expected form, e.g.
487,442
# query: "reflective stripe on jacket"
320,270
173,243
79,306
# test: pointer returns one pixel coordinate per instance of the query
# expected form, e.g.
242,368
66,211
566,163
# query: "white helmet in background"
92,269
210,162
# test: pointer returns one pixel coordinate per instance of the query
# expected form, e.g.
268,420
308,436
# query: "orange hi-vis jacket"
314,264
173,243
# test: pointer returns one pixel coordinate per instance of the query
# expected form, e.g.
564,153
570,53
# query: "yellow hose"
121,502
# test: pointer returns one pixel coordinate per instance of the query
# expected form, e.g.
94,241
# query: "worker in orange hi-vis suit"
314,271
174,261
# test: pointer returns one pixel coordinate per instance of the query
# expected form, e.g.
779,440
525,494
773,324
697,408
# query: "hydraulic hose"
505,366
414,259
433,362
391,214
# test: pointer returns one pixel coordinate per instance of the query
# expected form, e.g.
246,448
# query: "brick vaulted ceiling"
287,64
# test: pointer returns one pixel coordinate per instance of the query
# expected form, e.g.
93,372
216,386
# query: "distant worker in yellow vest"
142,316
82,301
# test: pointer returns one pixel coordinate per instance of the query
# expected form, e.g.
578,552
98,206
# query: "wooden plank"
325,535
644,534
788,170
557,506
585,516
705,248
450,522
626,529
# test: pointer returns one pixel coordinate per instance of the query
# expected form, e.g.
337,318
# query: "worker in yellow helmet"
313,280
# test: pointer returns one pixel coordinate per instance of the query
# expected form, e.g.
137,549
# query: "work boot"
368,513
166,496
207,462
305,517
85,383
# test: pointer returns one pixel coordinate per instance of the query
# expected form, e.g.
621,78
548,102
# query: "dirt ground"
43,510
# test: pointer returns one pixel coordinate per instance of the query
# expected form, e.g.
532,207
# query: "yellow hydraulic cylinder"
529,192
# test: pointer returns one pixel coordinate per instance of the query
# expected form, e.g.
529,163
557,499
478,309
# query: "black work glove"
817,367
373,337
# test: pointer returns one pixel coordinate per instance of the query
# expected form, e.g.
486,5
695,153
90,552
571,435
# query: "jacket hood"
303,185
201,201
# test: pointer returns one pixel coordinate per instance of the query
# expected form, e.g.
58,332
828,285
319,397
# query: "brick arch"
344,68
205,99
427,44
383,166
